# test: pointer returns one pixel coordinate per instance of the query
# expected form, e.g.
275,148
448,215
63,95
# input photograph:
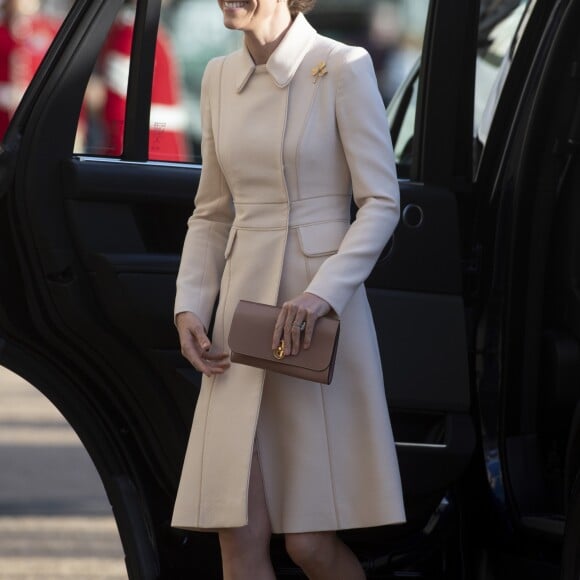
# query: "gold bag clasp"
279,352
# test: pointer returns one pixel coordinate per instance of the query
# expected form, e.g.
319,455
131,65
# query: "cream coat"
282,150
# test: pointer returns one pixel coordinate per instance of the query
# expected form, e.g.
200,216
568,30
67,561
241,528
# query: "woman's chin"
233,23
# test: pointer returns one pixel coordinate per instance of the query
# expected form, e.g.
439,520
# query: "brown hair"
296,6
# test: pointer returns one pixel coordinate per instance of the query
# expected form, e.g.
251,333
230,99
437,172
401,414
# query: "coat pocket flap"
321,239
251,336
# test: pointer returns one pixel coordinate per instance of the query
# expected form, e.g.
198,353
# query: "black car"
476,299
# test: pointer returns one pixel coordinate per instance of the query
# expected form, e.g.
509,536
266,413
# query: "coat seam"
203,451
287,205
227,294
332,486
259,459
282,141
262,229
303,132
251,449
224,179
310,276
300,139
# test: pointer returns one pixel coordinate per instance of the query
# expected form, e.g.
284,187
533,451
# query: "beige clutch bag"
250,342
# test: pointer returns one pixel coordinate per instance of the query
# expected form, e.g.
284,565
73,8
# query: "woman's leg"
246,551
323,556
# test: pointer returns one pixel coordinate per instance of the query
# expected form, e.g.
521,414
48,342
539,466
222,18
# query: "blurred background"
55,519
191,33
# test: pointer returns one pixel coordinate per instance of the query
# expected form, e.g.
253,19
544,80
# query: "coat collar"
284,61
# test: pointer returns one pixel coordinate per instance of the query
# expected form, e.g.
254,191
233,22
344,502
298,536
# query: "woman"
292,124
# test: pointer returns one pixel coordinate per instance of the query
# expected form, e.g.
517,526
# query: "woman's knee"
311,548
249,542
253,540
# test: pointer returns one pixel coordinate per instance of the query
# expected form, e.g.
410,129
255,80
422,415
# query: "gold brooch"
319,71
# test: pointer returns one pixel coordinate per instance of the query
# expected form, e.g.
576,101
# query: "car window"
391,30
500,30
191,32
194,31
501,27
401,114
102,119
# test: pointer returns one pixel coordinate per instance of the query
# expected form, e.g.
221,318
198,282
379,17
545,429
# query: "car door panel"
428,232
422,342
415,295
418,310
129,222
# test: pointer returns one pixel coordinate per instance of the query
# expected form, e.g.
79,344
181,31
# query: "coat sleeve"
366,141
202,259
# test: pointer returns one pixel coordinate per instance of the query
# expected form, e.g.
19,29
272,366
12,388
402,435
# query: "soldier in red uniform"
25,35
7,45
34,31
167,137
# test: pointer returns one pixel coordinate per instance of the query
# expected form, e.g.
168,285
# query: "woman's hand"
297,316
196,346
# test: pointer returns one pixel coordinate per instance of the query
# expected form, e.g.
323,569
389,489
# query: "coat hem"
299,530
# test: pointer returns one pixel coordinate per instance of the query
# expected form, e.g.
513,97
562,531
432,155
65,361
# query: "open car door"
91,244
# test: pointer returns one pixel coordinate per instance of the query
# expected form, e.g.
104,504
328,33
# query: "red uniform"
167,139
23,44
7,99
34,34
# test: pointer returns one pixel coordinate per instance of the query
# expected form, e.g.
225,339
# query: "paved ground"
55,520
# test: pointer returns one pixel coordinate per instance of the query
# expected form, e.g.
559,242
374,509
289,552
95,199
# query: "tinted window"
501,28
192,32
